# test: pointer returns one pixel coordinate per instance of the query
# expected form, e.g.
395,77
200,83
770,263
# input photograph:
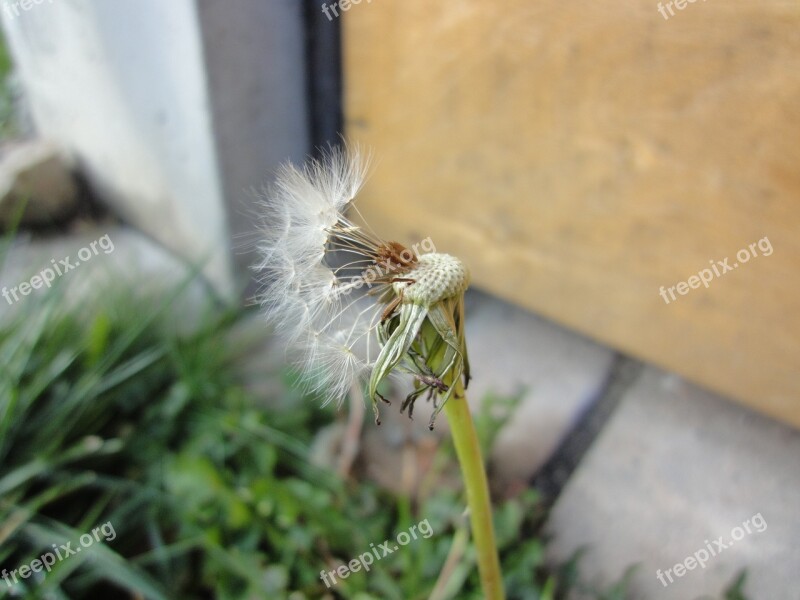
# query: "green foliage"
8,122
494,413
74,406
736,589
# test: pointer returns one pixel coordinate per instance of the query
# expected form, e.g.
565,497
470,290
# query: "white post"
168,107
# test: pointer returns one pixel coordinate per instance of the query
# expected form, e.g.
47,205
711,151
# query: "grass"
9,127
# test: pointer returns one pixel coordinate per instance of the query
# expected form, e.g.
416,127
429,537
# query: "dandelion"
360,310
356,307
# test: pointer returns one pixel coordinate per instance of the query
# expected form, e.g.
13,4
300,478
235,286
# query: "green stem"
468,451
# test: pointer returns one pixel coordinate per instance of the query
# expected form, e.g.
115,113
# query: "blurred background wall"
174,111
581,156
584,158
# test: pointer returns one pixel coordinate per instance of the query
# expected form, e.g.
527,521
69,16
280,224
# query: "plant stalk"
468,451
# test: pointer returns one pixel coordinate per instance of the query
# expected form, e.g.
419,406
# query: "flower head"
357,308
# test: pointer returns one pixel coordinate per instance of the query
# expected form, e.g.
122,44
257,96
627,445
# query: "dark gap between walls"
323,76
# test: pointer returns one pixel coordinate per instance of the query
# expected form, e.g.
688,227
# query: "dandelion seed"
359,309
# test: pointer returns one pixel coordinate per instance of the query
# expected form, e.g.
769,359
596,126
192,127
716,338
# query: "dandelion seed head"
436,277
352,308
308,302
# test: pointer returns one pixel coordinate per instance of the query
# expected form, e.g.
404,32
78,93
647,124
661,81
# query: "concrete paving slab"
561,373
676,472
99,257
